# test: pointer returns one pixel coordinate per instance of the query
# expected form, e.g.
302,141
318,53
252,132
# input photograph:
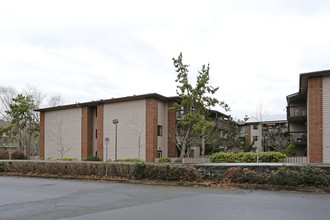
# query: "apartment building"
308,113
270,135
130,127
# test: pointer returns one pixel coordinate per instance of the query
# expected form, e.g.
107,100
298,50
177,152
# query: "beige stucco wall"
326,119
163,121
65,124
257,132
131,129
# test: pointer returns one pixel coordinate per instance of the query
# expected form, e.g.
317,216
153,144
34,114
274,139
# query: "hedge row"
141,170
247,157
304,175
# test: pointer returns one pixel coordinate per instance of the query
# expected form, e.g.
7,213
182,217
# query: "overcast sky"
89,50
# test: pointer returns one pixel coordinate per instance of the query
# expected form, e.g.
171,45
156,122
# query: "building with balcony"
145,128
270,135
308,114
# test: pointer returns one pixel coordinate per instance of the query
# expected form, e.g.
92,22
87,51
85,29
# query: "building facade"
77,131
266,135
308,113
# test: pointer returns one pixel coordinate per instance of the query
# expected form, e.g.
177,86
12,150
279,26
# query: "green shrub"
66,159
92,158
247,157
290,151
271,157
222,157
164,160
4,155
305,175
136,160
166,172
4,167
17,155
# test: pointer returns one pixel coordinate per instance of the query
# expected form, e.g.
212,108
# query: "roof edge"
112,100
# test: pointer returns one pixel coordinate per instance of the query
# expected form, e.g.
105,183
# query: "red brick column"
315,119
42,134
151,129
171,131
86,132
248,129
100,131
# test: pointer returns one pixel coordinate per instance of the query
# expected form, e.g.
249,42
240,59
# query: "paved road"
29,198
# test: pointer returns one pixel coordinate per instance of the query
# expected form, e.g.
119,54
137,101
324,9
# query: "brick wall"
86,131
100,131
248,129
315,119
151,129
42,134
171,131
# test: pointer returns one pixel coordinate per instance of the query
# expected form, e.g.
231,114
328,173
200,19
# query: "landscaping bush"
92,158
222,157
271,157
290,151
136,160
66,159
4,167
166,172
4,155
305,175
247,157
17,155
164,160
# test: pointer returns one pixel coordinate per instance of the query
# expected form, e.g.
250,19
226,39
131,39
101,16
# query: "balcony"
222,125
297,113
298,137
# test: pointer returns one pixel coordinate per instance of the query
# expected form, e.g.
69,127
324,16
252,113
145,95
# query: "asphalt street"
33,198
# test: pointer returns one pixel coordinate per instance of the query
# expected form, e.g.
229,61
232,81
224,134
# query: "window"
160,154
160,130
255,127
255,138
95,133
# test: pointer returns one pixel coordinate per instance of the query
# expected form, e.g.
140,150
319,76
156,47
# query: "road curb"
188,184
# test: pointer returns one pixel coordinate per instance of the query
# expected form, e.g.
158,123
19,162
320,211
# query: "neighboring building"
146,128
266,135
308,114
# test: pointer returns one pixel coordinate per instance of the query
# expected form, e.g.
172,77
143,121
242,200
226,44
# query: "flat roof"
112,100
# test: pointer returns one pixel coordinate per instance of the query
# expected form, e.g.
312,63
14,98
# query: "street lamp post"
115,122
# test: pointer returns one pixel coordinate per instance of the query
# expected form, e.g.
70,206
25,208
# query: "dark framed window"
255,138
255,127
160,154
160,130
96,133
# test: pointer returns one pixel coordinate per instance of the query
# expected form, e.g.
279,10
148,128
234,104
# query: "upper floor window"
255,127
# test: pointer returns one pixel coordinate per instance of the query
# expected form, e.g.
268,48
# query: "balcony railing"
299,137
297,113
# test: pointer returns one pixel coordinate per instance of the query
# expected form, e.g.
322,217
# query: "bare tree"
58,137
261,113
137,126
6,99
274,140
55,100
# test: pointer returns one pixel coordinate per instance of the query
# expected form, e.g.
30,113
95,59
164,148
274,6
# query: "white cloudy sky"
89,50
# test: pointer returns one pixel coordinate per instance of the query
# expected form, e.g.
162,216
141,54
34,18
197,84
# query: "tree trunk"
203,146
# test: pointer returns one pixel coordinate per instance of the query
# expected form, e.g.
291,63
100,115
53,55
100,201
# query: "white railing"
296,160
196,160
